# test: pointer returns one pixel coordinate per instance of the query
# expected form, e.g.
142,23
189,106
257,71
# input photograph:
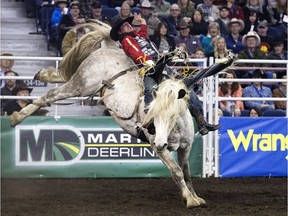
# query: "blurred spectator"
210,11
58,12
223,20
261,10
251,22
125,12
281,92
96,9
186,9
18,104
147,13
30,6
266,39
161,8
44,7
74,34
257,90
9,85
209,40
191,41
68,21
220,48
235,11
254,112
230,90
278,53
85,7
233,38
198,26
161,39
251,42
5,65
262,13
173,20
131,3
277,13
200,54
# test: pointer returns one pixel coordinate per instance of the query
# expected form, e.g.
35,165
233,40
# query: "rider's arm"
132,48
143,29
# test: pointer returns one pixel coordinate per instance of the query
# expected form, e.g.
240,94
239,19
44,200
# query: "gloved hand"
149,63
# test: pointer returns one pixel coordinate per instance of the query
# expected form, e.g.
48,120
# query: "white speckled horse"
109,70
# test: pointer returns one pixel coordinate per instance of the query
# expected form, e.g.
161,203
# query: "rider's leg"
149,84
196,110
212,70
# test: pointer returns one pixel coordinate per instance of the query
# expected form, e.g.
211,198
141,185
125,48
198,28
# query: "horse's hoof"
15,119
37,75
195,202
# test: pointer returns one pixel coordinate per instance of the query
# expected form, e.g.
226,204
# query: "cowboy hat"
258,74
146,4
74,3
21,86
235,20
11,60
117,23
251,34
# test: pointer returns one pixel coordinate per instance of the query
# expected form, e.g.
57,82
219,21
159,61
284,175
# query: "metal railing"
210,100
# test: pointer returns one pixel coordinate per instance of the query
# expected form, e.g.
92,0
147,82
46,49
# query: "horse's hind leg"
178,177
183,159
59,93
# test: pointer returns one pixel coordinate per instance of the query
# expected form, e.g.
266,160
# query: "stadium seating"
109,12
274,113
245,113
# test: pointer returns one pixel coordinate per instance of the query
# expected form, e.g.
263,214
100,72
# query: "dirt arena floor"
137,197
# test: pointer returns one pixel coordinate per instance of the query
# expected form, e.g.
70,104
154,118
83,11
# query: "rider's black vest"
145,45
147,48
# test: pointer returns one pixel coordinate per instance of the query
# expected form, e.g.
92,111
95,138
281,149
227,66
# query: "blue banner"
253,147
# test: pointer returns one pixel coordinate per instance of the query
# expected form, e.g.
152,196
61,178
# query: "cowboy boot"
203,126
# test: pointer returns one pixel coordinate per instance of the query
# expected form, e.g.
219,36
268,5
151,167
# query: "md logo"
48,145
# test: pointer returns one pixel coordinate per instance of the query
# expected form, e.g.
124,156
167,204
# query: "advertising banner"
80,147
253,147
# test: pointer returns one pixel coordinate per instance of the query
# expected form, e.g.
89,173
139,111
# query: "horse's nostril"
154,143
165,145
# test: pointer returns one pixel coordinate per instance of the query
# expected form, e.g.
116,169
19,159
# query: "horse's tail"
84,47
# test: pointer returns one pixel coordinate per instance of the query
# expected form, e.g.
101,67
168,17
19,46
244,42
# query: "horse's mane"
166,103
98,31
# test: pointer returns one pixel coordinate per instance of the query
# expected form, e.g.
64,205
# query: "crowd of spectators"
253,29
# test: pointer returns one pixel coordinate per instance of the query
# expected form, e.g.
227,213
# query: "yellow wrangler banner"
80,147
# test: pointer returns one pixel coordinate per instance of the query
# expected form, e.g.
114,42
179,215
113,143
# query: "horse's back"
126,95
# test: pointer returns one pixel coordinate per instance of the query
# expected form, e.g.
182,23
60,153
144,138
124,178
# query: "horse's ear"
154,93
181,93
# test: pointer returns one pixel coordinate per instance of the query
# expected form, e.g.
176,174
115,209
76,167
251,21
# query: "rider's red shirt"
132,48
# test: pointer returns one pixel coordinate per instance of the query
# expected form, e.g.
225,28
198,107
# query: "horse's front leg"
183,159
178,177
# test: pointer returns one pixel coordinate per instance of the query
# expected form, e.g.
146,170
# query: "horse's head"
170,103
